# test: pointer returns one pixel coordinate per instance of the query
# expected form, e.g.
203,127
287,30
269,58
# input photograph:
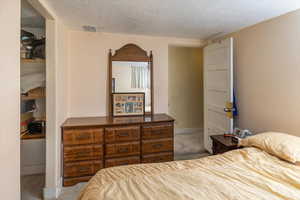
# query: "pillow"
284,146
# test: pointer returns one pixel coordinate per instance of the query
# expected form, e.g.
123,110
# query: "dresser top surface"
106,120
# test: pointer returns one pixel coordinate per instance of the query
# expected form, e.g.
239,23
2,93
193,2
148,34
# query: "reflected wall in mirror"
132,77
130,71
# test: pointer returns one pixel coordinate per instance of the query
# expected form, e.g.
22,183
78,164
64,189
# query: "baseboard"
32,169
49,193
179,131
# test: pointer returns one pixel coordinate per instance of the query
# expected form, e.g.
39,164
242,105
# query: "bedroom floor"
32,186
187,146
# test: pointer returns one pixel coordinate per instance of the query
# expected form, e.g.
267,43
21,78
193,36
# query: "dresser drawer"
157,131
122,134
84,168
83,152
83,136
158,157
74,181
122,161
122,149
160,145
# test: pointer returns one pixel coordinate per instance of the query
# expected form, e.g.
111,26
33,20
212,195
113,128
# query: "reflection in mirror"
132,77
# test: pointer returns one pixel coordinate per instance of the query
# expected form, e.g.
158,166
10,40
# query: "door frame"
52,186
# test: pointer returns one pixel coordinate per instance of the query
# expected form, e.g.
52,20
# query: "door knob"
229,109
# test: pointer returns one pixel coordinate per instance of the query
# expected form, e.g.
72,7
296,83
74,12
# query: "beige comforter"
237,175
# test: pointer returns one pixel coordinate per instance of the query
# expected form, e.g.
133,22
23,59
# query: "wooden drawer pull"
83,137
82,153
126,163
123,150
157,146
156,131
83,169
124,134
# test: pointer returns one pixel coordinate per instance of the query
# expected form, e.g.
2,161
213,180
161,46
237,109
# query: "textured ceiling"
179,18
30,17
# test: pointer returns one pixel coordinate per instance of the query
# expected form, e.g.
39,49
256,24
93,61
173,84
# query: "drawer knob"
83,153
83,169
83,137
123,134
156,146
124,150
156,132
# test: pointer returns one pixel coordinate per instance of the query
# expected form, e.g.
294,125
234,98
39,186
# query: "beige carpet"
70,193
32,187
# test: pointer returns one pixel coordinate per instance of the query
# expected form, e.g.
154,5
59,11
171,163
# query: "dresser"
92,143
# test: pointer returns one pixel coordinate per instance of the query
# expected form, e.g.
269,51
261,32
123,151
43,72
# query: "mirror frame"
133,53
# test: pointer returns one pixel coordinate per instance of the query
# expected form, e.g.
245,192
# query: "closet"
33,95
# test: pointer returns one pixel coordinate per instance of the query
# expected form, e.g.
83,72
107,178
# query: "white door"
218,90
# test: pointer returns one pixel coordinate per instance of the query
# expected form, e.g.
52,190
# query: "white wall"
89,64
10,99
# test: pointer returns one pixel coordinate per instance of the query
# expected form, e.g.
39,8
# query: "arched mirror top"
131,52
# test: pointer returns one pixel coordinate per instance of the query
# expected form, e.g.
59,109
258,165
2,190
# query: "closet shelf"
36,93
28,136
36,60
25,98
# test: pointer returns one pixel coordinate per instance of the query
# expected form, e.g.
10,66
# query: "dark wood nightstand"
222,144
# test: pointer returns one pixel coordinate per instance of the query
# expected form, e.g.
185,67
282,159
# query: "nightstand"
222,144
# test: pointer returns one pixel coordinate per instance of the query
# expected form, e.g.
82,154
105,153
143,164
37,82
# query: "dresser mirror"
130,71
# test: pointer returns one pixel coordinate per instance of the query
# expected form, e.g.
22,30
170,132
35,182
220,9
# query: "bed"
248,173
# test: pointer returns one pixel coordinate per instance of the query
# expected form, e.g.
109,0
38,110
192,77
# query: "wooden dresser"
93,143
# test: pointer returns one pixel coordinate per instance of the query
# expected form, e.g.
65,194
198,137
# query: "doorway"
33,102
186,100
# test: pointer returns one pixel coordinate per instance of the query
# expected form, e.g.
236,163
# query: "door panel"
218,115
221,78
218,89
216,98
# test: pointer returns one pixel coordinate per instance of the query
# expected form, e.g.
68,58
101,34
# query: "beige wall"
62,92
89,64
10,99
267,75
57,99
186,86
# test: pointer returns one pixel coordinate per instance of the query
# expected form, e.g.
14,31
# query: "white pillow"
284,146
